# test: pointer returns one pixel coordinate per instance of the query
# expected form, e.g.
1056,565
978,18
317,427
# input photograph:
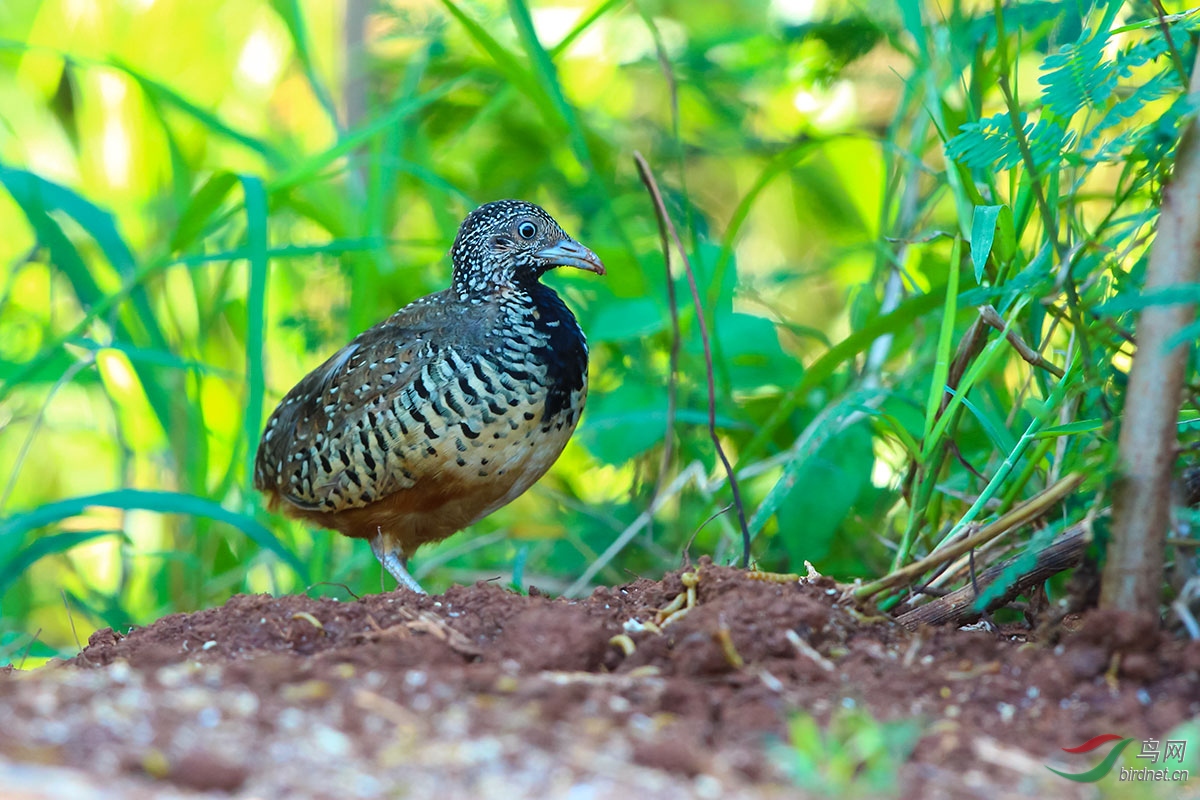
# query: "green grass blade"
293,18
508,63
37,198
200,209
43,546
1071,428
102,227
582,26
1051,407
547,76
29,192
941,368
146,500
158,358
256,304
778,166
309,168
994,429
160,93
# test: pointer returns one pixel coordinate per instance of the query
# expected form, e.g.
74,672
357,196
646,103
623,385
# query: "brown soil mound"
484,693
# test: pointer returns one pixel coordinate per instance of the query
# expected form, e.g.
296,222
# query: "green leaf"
1078,75
305,170
991,143
625,422
509,64
824,490
160,93
983,232
750,353
37,198
293,17
620,319
837,356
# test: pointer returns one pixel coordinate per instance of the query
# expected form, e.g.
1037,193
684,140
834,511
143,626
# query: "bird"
447,410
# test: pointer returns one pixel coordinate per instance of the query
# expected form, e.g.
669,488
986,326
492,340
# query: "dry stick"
958,607
693,473
27,445
1133,571
664,463
29,647
70,618
1164,26
354,88
989,315
661,209
1022,514
1066,256
673,361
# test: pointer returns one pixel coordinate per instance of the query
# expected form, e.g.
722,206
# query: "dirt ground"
481,692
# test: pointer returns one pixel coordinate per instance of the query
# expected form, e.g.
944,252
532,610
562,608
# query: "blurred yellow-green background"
199,201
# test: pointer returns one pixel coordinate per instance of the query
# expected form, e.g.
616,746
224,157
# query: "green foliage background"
200,200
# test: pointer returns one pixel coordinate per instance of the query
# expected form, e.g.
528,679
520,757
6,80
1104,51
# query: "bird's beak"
570,253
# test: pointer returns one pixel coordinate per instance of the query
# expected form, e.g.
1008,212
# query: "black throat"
565,352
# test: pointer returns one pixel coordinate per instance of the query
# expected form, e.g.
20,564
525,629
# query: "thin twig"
693,473
70,618
672,362
661,209
664,63
1065,255
992,317
1165,27
1021,515
28,647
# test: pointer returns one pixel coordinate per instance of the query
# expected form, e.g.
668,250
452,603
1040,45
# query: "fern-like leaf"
1158,86
991,143
1077,76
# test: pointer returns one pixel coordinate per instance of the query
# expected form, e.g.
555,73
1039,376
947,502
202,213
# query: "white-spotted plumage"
447,410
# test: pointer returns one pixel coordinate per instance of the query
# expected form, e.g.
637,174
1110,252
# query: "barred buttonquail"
447,410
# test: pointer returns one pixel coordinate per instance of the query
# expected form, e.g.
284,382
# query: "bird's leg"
394,562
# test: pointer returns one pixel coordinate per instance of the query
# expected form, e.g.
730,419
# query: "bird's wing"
358,427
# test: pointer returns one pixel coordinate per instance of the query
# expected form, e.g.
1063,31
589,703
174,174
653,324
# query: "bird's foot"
393,562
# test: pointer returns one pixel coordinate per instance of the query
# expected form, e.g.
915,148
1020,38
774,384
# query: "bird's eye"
527,230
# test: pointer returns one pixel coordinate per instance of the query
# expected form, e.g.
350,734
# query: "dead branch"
1023,514
958,607
661,209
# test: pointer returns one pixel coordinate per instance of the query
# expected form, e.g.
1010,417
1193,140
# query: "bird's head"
512,243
